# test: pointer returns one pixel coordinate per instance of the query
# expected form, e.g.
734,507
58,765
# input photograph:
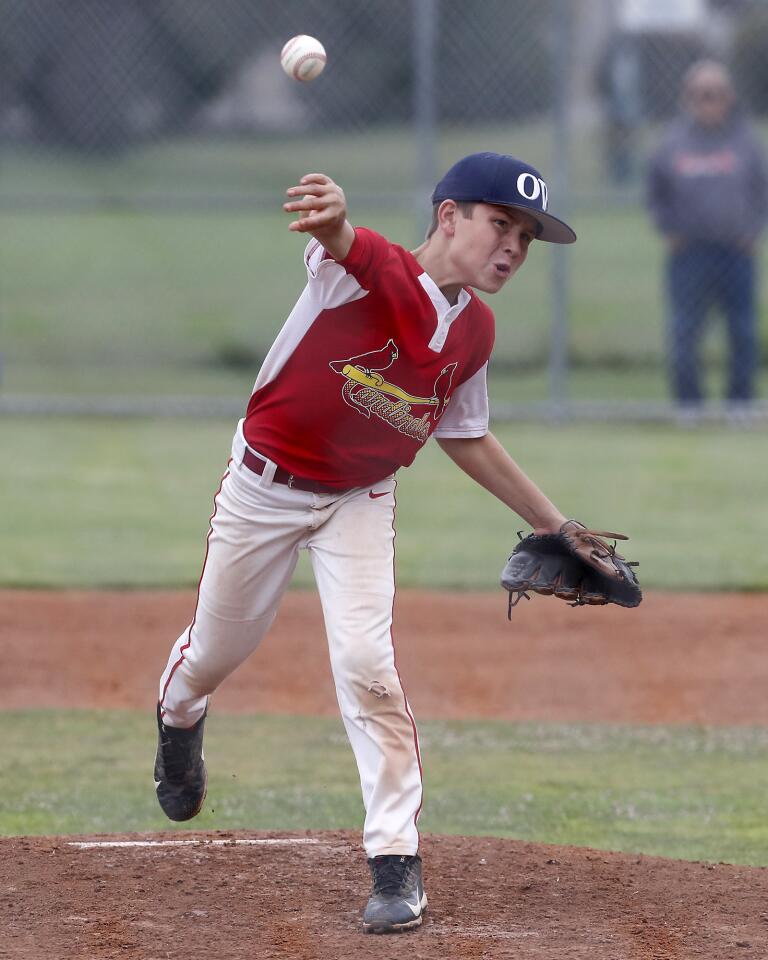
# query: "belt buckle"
290,481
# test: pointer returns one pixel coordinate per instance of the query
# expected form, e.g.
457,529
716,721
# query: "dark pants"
699,277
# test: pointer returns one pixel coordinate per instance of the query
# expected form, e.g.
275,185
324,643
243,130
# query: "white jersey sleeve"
328,286
467,412
328,283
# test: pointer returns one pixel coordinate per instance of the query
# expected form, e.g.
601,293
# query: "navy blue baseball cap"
503,180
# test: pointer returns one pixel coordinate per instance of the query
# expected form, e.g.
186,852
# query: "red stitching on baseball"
289,45
307,56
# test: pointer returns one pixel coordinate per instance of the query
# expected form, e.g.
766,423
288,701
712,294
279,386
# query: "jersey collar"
446,313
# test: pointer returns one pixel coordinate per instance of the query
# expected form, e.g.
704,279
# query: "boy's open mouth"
503,269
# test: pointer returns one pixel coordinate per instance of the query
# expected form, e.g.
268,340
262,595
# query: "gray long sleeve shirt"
709,184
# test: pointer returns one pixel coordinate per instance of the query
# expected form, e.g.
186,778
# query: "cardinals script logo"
368,392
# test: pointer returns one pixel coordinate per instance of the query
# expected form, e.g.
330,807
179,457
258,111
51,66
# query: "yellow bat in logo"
379,383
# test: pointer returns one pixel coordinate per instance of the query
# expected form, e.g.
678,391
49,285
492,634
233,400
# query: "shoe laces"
390,873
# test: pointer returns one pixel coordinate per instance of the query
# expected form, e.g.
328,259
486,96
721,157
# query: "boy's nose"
513,245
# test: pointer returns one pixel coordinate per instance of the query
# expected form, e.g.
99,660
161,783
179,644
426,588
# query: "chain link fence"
147,144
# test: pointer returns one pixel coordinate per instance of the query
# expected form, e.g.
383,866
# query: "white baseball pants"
256,531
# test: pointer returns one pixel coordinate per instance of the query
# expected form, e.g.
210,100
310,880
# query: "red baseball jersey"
371,361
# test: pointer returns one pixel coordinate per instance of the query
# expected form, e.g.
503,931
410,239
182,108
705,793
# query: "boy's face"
490,246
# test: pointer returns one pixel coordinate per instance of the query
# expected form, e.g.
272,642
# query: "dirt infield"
677,659
493,899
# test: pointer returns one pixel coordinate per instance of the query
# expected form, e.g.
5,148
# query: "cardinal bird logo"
442,389
373,361
368,392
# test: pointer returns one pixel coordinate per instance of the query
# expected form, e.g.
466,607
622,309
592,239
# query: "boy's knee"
369,672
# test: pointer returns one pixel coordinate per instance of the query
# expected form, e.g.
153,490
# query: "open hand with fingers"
322,209
319,202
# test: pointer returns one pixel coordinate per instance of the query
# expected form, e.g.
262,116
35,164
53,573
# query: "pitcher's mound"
232,896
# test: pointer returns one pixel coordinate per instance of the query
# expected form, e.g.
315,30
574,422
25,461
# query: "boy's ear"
447,213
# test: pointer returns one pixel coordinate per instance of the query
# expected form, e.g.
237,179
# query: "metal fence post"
561,164
425,15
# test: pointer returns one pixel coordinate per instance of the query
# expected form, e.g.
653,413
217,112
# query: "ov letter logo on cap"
532,188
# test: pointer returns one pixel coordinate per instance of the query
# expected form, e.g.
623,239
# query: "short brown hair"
465,206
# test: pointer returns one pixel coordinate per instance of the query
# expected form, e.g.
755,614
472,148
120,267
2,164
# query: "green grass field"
683,792
85,294
370,161
125,503
172,301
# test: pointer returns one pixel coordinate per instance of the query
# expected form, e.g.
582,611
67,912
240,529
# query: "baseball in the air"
303,58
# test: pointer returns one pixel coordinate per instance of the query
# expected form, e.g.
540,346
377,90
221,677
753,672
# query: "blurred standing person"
708,195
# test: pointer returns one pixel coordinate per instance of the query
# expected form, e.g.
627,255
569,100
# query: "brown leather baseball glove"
575,564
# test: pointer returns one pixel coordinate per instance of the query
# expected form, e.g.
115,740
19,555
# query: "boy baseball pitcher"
385,348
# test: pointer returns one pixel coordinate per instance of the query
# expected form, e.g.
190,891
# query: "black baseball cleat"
398,899
180,776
